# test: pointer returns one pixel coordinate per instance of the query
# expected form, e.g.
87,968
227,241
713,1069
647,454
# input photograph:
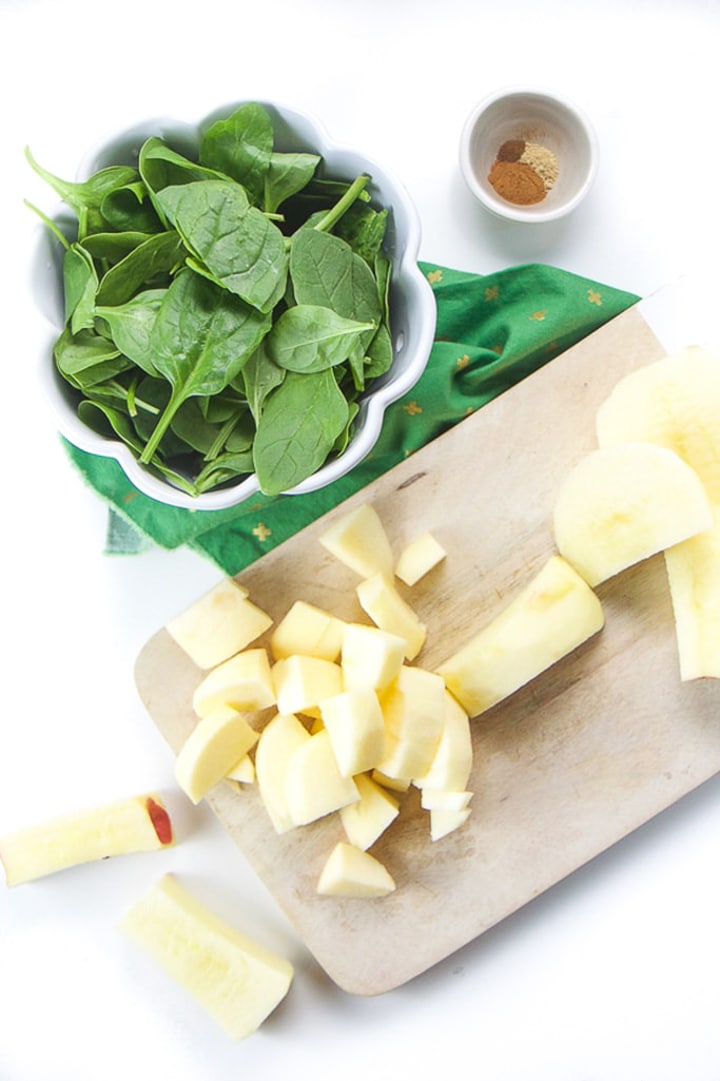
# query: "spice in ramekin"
523,172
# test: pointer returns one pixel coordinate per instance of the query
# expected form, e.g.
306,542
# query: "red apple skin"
160,820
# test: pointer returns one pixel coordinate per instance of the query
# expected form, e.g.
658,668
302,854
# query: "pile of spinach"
223,315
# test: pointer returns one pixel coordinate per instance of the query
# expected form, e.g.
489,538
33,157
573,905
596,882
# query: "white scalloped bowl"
412,304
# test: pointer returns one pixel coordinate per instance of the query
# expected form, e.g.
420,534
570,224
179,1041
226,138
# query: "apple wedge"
391,613
358,539
673,402
309,631
353,872
693,571
234,979
414,711
367,818
314,786
452,762
301,683
418,558
136,824
555,613
356,727
623,503
279,740
370,657
218,624
443,821
243,682
216,744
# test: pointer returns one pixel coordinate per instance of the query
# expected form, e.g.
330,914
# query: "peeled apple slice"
237,981
693,570
551,617
624,503
135,824
675,403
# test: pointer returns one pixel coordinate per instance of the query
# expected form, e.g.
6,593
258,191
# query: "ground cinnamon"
523,172
517,182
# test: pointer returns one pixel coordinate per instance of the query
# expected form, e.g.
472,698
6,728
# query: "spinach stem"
222,437
344,203
161,427
52,226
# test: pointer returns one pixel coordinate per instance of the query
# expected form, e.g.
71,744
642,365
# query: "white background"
612,975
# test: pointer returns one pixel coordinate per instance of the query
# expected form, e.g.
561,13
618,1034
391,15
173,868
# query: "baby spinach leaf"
130,326
146,265
259,376
239,246
287,174
190,425
162,167
201,338
379,354
324,270
297,430
131,208
364,228
86,358
112,247
241,146
310,338
80,284
86,197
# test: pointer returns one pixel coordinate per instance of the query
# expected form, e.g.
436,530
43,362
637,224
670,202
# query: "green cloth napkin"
492,331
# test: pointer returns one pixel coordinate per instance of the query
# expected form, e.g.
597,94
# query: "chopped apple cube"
219,624
352,872
623,503
393,784
243,772
279,740
443,822
236,980
356,727
418,558
452,763
367,818
216,744
391,613
414,712
439,799
358,539
303,682
693,570
309,631
370,657
136,824
554,614
314,786
243,682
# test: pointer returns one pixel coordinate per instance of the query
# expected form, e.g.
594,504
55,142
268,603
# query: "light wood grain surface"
567,766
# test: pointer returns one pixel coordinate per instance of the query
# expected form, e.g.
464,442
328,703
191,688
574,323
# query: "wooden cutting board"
567,766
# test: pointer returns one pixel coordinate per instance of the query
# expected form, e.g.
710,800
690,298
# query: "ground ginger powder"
523,172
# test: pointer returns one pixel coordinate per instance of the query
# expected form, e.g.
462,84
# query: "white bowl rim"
374,406
500,207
